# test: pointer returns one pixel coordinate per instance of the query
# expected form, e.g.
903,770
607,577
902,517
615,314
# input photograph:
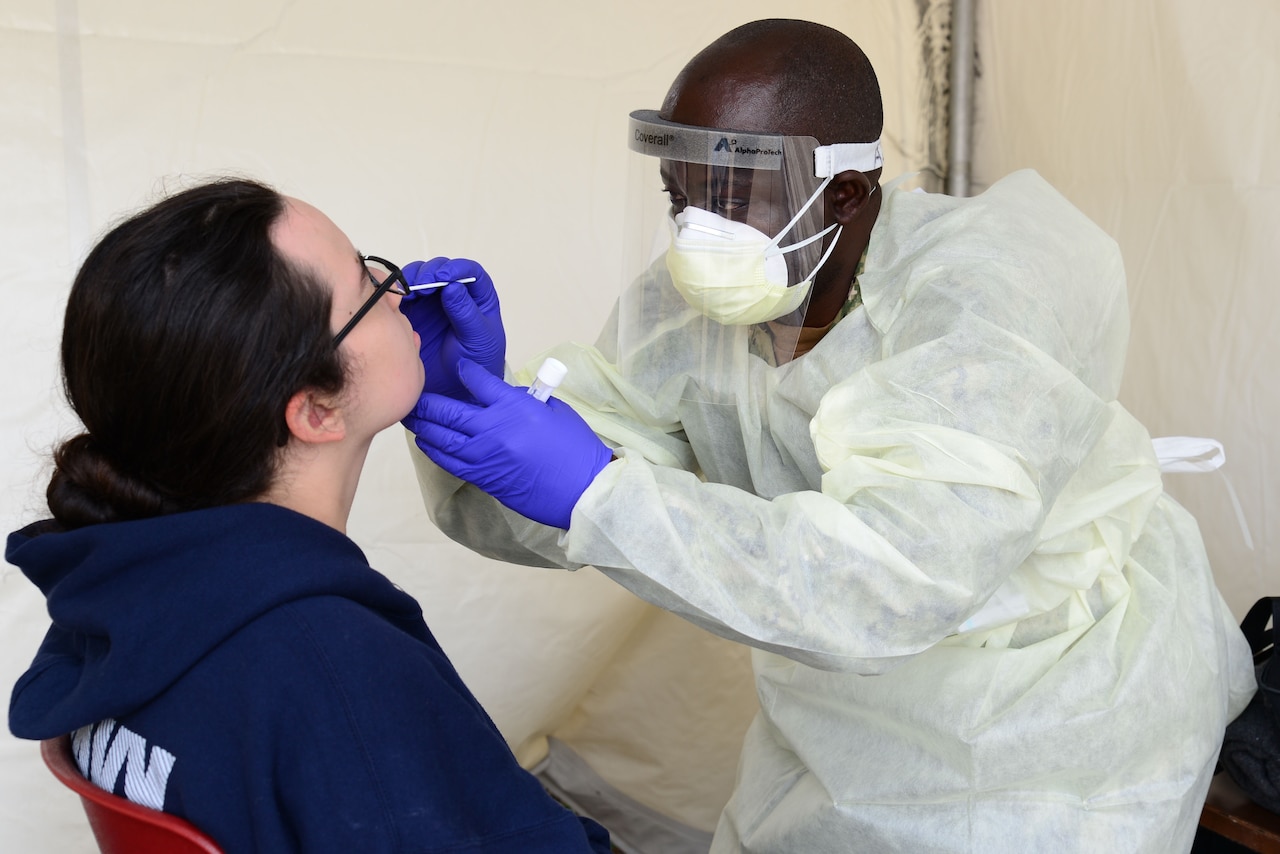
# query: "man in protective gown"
873,434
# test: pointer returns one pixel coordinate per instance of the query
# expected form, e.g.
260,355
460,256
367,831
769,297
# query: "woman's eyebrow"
361,262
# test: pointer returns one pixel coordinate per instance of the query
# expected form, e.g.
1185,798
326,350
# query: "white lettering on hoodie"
101,750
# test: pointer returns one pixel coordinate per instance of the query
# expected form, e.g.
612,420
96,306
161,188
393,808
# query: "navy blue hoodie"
245,668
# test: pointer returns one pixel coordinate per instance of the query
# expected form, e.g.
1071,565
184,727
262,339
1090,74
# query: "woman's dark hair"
186,333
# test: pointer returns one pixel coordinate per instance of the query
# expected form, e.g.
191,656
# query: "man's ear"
849,193
314,419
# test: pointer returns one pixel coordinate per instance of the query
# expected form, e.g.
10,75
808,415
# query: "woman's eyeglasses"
385,277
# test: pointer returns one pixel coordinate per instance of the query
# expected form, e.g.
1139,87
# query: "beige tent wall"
494,129
489,129
1161,120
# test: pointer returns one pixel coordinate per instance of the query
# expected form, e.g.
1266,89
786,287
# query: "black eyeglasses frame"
394,282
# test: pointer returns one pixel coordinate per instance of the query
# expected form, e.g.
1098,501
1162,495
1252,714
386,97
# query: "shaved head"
781,76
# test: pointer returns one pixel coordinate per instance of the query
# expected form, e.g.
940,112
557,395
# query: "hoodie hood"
135,604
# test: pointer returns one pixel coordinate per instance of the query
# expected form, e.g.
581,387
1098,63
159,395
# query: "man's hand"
536,458
455,321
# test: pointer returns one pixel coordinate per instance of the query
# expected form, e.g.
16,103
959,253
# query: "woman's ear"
849,193
314,419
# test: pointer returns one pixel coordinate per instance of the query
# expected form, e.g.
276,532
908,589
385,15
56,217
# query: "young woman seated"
220,649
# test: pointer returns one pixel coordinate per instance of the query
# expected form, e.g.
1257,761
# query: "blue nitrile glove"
536,458
454,322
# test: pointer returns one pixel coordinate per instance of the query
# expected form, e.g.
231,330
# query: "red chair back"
120,825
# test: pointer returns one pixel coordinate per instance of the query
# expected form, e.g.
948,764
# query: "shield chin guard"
762,194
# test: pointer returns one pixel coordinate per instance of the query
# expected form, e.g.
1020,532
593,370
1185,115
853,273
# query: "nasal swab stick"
428,285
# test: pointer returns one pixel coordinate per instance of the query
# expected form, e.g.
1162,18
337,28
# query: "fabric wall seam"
74,149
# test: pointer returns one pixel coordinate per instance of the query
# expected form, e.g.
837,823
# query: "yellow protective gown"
979,623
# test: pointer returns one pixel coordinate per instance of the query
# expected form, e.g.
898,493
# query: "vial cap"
552,372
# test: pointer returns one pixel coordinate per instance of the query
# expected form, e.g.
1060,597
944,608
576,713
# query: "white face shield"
730,233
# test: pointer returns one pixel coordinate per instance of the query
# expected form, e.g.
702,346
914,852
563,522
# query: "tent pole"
960,135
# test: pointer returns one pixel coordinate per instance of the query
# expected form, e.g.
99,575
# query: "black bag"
1251,748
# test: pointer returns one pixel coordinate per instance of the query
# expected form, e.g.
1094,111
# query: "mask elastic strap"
830,249
827,230
773,247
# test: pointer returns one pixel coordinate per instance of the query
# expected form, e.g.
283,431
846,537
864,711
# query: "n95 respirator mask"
734,273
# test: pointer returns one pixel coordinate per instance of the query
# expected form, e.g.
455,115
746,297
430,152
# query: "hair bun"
87,489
